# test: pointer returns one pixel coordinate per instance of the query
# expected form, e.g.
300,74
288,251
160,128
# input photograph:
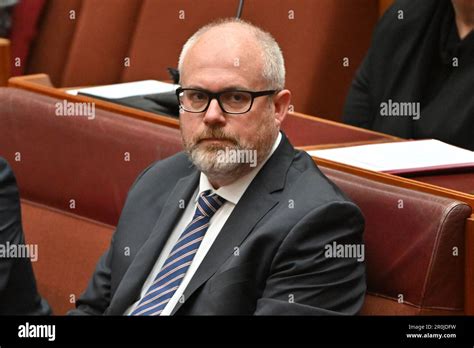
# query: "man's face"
221,60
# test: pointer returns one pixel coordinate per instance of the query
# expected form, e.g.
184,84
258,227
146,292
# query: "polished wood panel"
384,5
4,61
40,83
462,181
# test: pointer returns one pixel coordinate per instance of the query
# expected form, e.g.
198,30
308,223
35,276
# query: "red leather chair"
73,174
415,248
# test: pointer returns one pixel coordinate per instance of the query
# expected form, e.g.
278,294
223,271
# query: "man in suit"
18,294
240,223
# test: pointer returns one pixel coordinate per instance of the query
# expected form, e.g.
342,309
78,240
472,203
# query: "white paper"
398,155
128,89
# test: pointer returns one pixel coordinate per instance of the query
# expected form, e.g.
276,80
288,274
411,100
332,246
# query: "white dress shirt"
232,194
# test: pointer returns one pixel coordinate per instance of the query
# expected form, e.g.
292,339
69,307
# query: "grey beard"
206,161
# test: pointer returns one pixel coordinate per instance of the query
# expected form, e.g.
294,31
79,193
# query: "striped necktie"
180,258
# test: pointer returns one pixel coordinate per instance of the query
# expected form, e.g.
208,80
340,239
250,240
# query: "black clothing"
18,294
417,59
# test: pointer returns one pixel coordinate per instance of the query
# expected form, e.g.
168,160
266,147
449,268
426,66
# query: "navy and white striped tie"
180,258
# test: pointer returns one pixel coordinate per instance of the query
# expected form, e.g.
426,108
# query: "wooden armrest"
4,61
31,82
383,6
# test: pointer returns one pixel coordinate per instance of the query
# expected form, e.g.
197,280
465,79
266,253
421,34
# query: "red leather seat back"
414,247
101,42
73,174
50,51
161,31
315,37
80,165
69,246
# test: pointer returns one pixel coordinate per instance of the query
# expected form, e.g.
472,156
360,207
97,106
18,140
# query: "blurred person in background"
6,7
417,79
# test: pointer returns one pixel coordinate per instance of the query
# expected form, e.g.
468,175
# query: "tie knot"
209,203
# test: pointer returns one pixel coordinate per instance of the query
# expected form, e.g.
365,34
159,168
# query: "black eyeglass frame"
217,95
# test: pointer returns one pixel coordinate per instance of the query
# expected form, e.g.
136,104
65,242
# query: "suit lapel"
256,202
136,275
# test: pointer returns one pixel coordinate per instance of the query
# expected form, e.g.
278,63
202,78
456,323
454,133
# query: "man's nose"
214,114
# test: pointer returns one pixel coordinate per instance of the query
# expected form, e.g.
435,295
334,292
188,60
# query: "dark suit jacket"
268,258
18,294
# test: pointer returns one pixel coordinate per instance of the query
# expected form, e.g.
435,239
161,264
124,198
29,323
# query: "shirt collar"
234,191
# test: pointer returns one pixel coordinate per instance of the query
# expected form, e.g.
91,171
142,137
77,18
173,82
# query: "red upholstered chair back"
162,29
69,247
73,175
323,42
50,51
111,41
414,247
90,161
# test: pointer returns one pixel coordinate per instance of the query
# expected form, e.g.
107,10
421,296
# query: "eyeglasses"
231,102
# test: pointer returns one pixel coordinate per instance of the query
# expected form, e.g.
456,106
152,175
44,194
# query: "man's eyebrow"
235,88
226,89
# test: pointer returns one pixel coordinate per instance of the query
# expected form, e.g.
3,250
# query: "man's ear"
282,102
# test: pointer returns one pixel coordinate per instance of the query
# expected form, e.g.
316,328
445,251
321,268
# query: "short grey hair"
273,62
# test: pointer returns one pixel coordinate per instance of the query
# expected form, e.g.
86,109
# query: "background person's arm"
10,220
358,108
18,293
